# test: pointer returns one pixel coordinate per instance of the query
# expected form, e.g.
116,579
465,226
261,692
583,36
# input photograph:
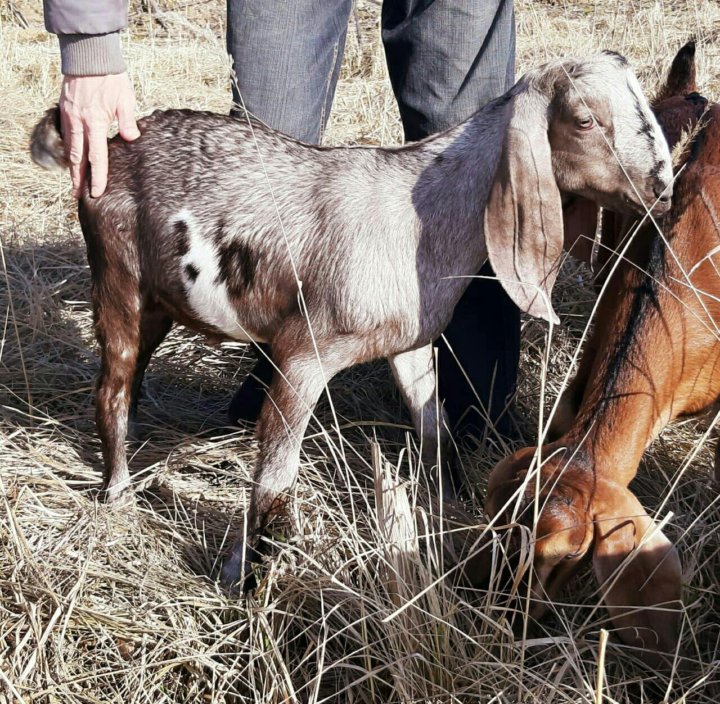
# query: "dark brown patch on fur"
237,267
192,272
220,235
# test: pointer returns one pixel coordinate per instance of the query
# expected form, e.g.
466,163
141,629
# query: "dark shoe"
241,574
248,399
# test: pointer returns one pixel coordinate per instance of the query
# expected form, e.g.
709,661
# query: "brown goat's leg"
414,373
296,387
154,327
117,330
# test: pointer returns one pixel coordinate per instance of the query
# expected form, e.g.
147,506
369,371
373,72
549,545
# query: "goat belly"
209,301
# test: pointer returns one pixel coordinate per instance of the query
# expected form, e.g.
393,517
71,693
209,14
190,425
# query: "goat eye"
585,123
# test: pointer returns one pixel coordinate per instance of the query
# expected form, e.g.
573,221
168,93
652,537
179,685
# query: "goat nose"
662,192
696,98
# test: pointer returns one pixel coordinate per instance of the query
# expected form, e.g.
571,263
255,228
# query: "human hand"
88,106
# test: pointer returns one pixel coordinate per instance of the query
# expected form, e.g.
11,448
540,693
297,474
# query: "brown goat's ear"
580,221
639,572
681,76
523,216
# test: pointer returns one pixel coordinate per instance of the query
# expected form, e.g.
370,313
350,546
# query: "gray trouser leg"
446,58
287,56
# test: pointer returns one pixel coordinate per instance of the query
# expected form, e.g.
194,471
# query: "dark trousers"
446,58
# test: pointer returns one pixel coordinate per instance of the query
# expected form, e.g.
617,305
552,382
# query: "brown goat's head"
562,534
571,501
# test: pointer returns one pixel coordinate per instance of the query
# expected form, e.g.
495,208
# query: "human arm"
96,89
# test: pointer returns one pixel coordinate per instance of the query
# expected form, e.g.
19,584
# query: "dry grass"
120,604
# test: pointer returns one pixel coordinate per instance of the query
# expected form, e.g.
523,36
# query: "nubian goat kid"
654,355
342,255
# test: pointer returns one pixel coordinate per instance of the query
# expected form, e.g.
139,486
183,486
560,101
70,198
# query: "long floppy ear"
681,76
523,215
639,572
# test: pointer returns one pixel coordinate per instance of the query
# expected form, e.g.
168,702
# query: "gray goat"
342,255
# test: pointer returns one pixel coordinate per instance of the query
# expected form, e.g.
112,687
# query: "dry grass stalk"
397,528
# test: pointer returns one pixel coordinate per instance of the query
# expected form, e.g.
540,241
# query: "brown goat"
653,356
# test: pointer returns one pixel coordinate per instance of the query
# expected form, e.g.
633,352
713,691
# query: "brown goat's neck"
630,395
658,357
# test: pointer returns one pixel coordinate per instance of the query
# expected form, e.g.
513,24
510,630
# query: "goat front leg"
414,372
295,389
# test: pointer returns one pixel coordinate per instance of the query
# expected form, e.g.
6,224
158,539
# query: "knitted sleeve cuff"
91,54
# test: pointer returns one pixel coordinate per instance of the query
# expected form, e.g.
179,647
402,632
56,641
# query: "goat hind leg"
154,327
117,330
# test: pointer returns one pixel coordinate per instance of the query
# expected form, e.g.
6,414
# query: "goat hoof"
117,493
238,573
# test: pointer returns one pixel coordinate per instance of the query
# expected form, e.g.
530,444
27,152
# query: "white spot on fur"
208,299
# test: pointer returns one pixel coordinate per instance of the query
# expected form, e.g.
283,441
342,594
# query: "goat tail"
46,143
